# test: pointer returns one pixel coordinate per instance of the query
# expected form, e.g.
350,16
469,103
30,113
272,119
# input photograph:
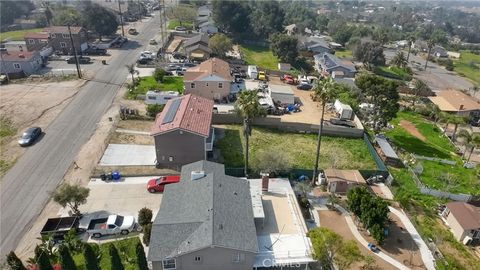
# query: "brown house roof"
351,176
17,56
62,29
213,66
190,112
467,215
455,101
39,35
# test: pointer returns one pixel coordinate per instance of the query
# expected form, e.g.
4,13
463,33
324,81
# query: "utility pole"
79,72
121,17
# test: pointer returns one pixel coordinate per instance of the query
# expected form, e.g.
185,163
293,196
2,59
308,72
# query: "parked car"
304,86
81,60
95,51
158,184
287,79
29,136
373,248
113,224
180,28
262,76
143,60
119,42
152,42
133,31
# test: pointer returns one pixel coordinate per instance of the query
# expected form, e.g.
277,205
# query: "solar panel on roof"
172,111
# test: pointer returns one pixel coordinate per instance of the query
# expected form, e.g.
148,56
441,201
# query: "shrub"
14,262
154,109
147,230
91,259
66,259
159,74
115,261
144,216
141,259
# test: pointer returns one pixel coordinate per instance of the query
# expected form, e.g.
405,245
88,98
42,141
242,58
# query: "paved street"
25,188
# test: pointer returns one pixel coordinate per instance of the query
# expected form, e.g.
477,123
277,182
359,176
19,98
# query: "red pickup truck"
158,184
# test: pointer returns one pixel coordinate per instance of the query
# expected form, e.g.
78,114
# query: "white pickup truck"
113,224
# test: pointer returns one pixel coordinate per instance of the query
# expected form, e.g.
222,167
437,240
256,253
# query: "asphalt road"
25,188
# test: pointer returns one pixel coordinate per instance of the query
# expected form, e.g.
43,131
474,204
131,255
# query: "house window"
170,158
63,44
52,35
197,259
31,41
16,65
206,84
169,264
65,35
152,97
220,85
192,85
238,258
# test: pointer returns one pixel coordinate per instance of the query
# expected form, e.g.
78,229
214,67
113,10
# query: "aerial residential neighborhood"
161,135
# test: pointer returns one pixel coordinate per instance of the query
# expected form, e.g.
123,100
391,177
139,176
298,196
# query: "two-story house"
19,64
464,221
60,39
211,79
36,41
183,132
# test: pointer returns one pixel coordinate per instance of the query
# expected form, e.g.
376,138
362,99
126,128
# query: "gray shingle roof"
215,210
200,38
329,61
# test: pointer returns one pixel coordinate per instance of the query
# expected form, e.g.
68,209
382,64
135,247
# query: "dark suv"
29,136
94,51
81,60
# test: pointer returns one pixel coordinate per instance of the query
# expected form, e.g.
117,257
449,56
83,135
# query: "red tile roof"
194,114
39,35
17,56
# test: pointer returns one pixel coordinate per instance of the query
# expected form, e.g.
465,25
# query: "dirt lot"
408,126
31,104
334,221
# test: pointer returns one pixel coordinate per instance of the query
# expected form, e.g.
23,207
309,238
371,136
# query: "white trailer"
160,97
344,111
252,72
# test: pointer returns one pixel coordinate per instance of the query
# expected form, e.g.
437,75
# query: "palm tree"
132,71
471,141
399,60
435,112
411,41
324,91
430,45
248,108
420,88
456,120
332,199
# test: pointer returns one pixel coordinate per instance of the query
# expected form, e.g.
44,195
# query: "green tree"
154,109
182,13
411,41
131,69
370,54
14,262
380,35
383,94
99,19
72,196
322,23
248,107
333,199
42,260
231,16
64,15
66,260
324,91
420,88
272,160
11,10
147,231
115,261
141,259
267,18
145,216
158,74
456,121
430,45
220,45
73,242
348,254
90,257
284,47
399,60
470,140
343,34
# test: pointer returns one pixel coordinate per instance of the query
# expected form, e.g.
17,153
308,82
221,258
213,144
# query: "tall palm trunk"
470,154
246,131
428,56
319,142
408,55
454,135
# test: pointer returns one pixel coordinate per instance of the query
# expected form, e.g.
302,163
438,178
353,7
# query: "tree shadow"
417,146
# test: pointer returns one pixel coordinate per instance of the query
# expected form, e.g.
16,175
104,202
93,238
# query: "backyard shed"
282,93
340,181
387,152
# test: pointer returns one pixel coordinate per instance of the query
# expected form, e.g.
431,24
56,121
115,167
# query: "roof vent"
462,107
21,55
195,175
220,226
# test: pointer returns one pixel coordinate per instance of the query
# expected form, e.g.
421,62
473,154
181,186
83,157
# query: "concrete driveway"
128,155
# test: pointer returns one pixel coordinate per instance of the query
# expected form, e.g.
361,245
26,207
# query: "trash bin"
116,175
103,177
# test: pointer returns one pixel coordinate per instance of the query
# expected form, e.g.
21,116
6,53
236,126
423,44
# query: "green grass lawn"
174,23
170,83
17,35
469,66
259,56
344,54
392,73
340,153
435,145
126,250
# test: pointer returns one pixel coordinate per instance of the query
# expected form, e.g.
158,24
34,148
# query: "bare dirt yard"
27,104
410,127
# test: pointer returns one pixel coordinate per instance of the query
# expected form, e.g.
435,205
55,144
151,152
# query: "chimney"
20,48
461,107
265,180
195,175
21,55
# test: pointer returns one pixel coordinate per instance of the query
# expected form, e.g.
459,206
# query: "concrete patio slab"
128,155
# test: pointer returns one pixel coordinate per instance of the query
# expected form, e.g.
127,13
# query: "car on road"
373,248
152,42
180,28
262,76
29,136
158,184
304,86
113,224
133,31
144,61
95,51
119,42
81,60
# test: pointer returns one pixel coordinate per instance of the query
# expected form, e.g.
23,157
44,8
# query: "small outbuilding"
281,93
340,181
387,152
